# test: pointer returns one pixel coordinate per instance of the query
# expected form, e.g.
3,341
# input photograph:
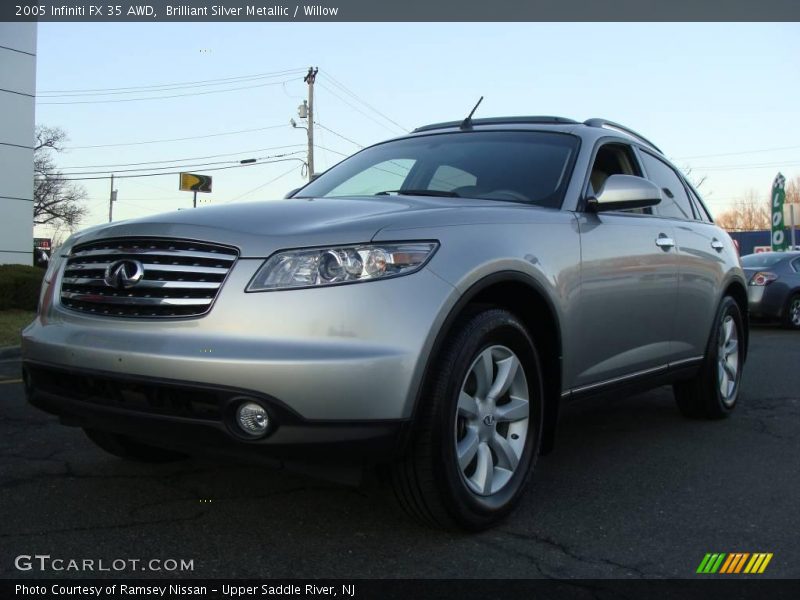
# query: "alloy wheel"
491,424
794,312
728,360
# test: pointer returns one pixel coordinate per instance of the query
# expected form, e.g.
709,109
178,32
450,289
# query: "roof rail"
501,121
630,132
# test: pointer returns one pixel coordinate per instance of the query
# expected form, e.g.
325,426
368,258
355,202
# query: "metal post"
111,200
792,222
309,79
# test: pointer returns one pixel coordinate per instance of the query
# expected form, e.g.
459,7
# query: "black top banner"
103,11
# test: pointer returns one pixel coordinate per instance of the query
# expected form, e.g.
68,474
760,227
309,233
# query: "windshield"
516,166
762,259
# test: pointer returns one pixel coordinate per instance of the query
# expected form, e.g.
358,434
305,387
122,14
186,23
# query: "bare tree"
751,213
793,191
696,180
56,201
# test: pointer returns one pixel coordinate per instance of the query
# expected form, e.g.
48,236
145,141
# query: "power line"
164,86
194,137
183,167
174,160
258,187
347,139
177,172
346,90
173,166
331,150
358,110
249,87
746,167
738,153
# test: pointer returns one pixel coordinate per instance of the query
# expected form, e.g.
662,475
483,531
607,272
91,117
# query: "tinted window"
376,178
519,166
762,259
447,178
674,201
699,208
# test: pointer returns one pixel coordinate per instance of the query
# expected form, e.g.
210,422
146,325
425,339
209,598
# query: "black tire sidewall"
788,320
497,327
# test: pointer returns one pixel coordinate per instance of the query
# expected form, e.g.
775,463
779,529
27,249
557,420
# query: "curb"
10,352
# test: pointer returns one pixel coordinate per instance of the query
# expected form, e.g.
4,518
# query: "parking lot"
633,490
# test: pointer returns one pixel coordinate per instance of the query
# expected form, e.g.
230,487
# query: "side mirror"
622,192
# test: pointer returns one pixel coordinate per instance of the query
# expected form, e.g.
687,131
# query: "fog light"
252,418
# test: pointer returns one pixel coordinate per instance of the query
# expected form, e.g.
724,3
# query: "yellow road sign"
191,182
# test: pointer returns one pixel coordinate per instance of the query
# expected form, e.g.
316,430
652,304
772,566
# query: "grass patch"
12,322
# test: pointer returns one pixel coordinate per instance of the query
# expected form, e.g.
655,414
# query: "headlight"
341,264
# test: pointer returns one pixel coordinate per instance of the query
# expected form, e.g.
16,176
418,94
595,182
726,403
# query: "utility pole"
112,196
309,79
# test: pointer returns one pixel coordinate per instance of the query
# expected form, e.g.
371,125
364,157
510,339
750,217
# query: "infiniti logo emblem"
488,420
123,274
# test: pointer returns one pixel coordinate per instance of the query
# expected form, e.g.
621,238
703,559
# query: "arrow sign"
191,182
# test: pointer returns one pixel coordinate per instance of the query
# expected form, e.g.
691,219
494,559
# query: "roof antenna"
467,123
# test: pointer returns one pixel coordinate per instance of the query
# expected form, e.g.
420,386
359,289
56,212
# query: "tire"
703,396
792,318
131,449
458,417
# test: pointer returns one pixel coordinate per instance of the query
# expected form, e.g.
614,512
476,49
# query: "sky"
720,100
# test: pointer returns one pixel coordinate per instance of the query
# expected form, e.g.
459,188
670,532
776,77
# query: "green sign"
778,226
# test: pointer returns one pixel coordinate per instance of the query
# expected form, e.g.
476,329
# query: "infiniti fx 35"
427,305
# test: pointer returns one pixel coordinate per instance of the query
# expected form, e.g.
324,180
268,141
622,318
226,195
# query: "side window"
674,201
796,265
614,159
699,208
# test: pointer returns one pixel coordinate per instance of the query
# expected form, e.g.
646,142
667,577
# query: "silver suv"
427,304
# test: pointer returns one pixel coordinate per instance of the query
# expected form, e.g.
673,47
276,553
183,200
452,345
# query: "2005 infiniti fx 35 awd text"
427,304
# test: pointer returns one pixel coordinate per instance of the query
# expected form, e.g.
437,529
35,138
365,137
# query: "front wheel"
713,392
478,431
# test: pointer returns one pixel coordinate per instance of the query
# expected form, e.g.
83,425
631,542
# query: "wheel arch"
525,297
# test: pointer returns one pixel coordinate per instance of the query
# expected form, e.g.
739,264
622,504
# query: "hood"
260,228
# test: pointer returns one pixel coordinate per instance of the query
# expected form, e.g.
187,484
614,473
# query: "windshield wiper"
440,193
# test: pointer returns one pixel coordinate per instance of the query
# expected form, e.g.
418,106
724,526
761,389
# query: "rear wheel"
713,392
478,432
792,319
131,449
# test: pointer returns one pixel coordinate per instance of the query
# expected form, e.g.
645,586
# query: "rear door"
703,252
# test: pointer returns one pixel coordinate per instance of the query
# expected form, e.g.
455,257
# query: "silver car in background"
426,305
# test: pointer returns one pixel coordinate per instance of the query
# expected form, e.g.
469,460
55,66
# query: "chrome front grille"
143,277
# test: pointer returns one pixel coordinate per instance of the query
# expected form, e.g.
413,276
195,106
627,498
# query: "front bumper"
197,418
767,301
337,367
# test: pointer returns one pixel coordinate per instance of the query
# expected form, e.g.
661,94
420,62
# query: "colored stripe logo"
734,563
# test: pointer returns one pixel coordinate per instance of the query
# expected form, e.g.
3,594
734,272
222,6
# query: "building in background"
17,95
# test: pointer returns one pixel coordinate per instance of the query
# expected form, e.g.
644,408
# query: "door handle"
717,245
664,242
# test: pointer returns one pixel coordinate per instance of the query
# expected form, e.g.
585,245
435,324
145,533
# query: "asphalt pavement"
633,490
